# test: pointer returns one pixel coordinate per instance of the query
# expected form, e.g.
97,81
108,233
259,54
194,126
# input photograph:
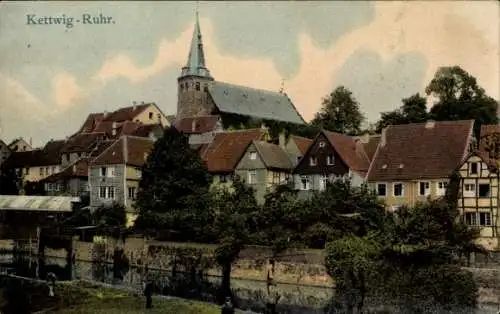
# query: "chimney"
282,139
134,105
31,142
430,124
113,132
193,125
383,138
105,114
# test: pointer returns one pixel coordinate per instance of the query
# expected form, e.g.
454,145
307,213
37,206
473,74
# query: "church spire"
196,60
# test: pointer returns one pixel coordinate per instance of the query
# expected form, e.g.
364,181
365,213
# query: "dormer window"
253,155
322,144
473,168
330,160
197,86
313,161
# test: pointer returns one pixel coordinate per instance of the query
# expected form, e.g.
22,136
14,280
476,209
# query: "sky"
52,76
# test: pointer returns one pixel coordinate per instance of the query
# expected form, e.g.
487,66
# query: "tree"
173,191
111,219
459,97
280,220
233,210
352,261
340,112
9,182
413,110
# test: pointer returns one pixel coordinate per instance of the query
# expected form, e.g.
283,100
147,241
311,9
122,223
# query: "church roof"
196,59
246,101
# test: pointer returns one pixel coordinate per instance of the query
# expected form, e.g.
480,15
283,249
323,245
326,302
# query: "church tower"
192,85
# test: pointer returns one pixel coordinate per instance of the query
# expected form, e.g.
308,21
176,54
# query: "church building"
238,107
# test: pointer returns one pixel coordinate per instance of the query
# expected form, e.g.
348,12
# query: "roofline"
105,150
341,157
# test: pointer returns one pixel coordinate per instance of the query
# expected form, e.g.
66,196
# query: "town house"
414,162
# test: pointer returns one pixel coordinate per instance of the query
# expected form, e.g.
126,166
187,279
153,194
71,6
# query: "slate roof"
226,149
246,101
196,60
201,124
302,143
421,151
273,156
350,150
128,150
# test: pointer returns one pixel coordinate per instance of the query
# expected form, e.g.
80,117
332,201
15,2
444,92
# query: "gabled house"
37,164
414,162
201,130
295,146
223,154
114,175
73,178
263,166
20,145
479,188
331,155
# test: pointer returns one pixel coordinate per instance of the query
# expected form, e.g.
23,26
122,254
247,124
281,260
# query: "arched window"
197,85
205,87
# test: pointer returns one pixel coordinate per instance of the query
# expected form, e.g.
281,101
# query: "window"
469,190
103,171
86,187
102,192
41,171
158,117
304,183
27,171
111,172
330,160
205,88
276,178
79,155
381,189
198,86
322,144
323,180
424,189
111,192
398,189
131,193
473,168
253,155
313,161
252,177
53,169
441,188
47,171
299,158
150,116
484,190
478,219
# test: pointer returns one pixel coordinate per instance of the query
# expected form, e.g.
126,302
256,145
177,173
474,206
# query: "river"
299,298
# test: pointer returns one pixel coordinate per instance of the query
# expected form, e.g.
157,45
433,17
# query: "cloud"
65,90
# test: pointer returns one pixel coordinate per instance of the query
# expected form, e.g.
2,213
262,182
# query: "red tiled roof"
490,134
226,149
78,169
421,151
129,150
125,113
82,142
302,143
351,151
201,124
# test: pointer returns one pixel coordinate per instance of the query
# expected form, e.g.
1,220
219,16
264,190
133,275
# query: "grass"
84,298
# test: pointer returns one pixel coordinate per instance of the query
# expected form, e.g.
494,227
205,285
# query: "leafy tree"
352,262
459,97
233,210
111,219
280,220
413,110
173,191
9,182
341,210
340,112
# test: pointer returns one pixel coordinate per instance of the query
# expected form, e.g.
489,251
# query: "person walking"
148,292
273,295
227,307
